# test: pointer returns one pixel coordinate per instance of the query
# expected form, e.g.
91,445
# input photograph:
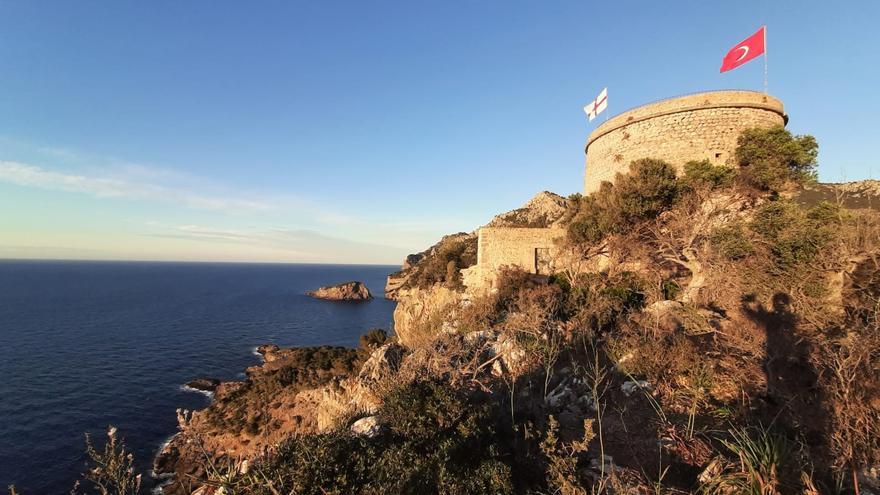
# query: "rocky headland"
689,318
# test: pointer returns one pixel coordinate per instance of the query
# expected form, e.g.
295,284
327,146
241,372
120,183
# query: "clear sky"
330,131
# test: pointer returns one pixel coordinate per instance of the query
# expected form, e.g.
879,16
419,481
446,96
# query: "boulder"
269,352
630,387
367,427
203,384
348,291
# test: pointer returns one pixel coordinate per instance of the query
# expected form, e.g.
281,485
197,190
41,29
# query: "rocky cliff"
546,209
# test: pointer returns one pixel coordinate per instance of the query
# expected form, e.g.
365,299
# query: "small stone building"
531,249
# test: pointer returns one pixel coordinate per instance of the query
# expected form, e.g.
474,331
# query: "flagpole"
765,59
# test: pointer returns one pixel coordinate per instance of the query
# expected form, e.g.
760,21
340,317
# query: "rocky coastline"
293,391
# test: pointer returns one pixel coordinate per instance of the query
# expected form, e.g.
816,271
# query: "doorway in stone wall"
542,261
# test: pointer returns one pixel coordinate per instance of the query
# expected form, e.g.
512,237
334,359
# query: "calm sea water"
87,344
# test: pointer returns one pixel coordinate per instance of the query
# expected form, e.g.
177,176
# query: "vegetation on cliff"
738,312
715,331
442,263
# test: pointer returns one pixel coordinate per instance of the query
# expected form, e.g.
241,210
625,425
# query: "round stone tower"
677,130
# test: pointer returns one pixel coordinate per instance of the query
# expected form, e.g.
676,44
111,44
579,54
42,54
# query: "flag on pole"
596,106
746,50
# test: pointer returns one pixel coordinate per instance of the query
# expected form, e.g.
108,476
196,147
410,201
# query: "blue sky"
361,131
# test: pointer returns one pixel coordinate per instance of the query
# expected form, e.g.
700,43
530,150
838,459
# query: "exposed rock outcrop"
358,394
300,391
546,209
420,312
412,272
347,291
203,384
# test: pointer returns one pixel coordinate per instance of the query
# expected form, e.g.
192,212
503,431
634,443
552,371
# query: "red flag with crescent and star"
744,51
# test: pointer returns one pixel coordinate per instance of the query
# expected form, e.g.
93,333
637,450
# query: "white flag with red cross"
596,106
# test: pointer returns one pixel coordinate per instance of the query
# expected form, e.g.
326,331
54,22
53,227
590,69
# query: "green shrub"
438,439
671,355
703,174
597,300
442,265
509,283
763,462
732,242
591,223
771,157
448,438
335,463
795,235
670,289
649,189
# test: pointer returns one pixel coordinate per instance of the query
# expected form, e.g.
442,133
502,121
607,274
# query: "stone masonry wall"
503,246
693,127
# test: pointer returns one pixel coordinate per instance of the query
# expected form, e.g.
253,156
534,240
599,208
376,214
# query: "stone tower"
677,130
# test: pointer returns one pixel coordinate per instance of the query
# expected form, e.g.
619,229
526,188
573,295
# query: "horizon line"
226,262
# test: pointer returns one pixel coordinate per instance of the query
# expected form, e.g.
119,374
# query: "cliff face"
420,312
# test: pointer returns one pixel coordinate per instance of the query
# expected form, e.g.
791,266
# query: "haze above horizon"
358,132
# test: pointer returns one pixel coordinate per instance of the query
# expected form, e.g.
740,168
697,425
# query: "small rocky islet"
346,291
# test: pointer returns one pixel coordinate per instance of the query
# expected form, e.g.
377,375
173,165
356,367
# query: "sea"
84,345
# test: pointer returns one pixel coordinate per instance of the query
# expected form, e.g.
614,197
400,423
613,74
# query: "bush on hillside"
650,188
596,300
438,439
732,242
795,234
443,265
245,408
770,158
370,341
512,280
592,222
703,174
